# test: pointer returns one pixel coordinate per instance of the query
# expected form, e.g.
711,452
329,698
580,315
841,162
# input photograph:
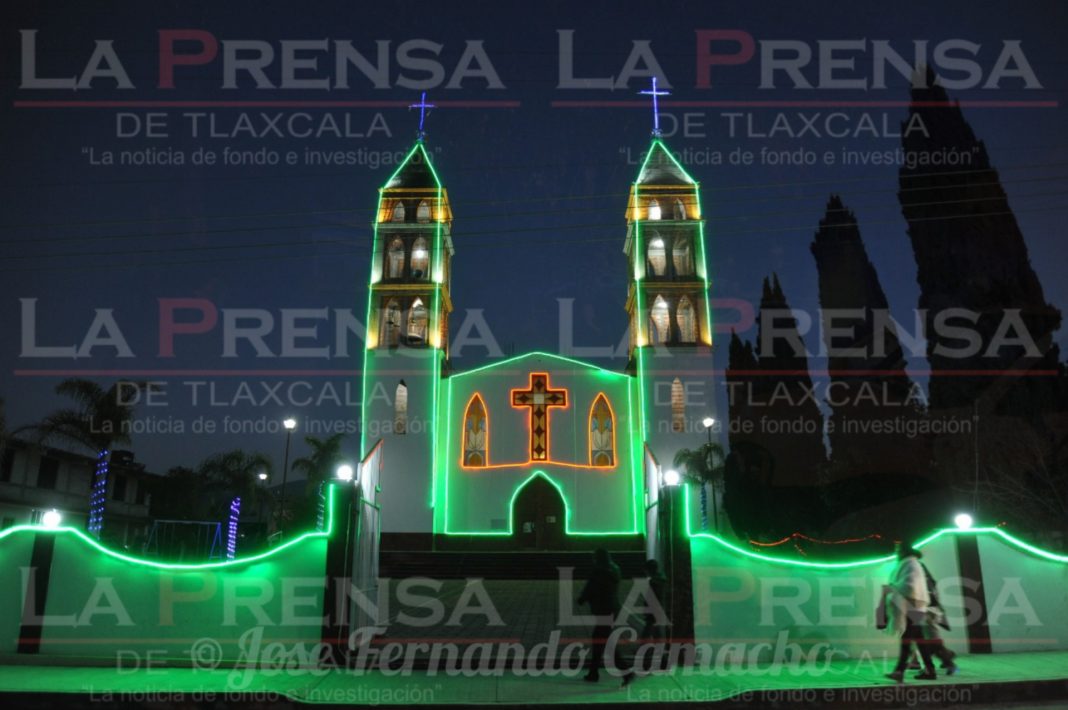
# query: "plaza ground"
1038,679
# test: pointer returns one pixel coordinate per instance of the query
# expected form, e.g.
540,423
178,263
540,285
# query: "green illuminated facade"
462,448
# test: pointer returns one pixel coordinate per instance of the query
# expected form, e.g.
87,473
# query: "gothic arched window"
391,324
417,322
687,321
659,321
420,258
422,212
602,433
398,211
657,256
395,259
476,434
400,409
680,210
678,406
654,209
682,257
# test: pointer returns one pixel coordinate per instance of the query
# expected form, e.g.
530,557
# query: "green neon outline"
635,481
417,147
541,354
704,268
639,320
663,146
864,562
186,566
367,329
447,452
511,514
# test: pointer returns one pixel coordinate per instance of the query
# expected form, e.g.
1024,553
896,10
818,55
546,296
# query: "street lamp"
290,424
671,477
51,518
262,475
963,521
344,472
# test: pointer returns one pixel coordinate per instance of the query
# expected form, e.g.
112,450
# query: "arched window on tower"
680,210
687,320
657,256
400,409
476,434
422,212
659,321
395,259
417,322
654,209
398,211
678,406
682,257
420,258
391,324
602,433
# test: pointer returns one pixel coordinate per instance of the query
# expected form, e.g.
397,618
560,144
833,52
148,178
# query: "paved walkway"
1040,677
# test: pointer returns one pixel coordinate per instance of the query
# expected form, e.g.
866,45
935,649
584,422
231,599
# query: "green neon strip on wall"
511,515
541,354
367,330
637,486
998,532
179,566
704,273
660,142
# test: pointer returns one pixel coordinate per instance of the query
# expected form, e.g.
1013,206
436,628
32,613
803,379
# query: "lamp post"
708,423
290,424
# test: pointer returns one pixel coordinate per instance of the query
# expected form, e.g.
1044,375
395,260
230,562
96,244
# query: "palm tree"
100,419
232,474
702,466
320,464
317,467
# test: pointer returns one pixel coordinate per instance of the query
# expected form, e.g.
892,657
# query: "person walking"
601,592
935,619
907,605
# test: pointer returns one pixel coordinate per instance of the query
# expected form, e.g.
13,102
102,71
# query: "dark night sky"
518,249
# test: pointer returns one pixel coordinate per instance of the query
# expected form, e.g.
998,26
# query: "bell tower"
407,341
667,305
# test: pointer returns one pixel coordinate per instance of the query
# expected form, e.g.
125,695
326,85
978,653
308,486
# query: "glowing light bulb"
671,477
963,521
51,518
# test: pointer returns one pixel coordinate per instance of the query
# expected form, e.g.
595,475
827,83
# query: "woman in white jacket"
907,609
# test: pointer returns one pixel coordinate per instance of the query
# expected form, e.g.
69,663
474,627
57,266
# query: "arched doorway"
538,517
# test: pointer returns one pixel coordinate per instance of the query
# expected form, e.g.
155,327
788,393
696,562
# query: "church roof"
543,359
415,172
661,168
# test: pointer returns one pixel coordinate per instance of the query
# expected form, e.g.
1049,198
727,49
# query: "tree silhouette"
702,466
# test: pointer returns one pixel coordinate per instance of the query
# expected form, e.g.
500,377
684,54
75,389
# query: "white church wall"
407,456
599,500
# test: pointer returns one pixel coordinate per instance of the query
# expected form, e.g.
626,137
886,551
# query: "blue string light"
98,498
231,529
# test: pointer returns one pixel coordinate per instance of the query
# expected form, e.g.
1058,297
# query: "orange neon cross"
539,398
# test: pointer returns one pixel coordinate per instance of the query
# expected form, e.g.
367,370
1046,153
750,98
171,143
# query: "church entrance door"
538,517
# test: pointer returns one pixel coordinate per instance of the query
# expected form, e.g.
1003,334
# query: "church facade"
539,451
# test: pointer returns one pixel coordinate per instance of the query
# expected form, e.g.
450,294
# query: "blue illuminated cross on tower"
656,107
422,106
